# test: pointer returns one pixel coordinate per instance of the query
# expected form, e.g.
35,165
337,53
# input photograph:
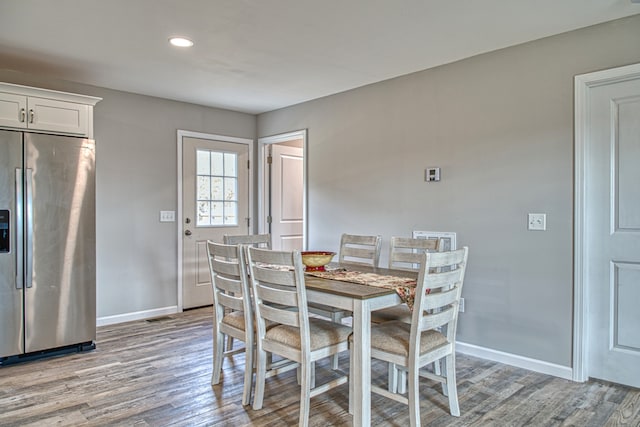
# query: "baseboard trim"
137,315
515,360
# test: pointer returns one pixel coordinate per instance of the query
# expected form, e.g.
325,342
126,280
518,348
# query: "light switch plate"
537,222
167,216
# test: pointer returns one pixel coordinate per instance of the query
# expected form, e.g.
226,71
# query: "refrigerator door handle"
19,233
29,229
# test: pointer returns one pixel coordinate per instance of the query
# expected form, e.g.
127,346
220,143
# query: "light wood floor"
157,373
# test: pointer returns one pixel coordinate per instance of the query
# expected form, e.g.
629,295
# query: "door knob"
187,232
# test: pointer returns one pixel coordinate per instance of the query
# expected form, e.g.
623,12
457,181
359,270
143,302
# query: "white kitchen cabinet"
42,110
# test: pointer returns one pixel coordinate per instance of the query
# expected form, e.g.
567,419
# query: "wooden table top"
355,290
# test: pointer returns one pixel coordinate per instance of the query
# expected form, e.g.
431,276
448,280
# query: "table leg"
360,384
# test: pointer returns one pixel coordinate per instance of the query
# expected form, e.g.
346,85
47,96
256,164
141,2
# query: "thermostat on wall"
432,174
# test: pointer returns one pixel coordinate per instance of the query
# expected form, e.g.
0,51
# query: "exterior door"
287,197
215,202
612,230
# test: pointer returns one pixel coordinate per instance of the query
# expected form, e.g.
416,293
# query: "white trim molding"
582,84
515,360
137,315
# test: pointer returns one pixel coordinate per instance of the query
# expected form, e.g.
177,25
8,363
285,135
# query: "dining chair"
232,309
354,250
357,249
431,336
257,240
280,298
405,253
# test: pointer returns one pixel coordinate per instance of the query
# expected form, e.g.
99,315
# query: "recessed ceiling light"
180,42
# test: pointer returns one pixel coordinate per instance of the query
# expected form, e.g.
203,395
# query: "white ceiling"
260,55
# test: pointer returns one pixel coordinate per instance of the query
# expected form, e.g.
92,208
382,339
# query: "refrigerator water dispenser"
5,237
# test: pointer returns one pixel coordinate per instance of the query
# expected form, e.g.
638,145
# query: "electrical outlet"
461,305
537,222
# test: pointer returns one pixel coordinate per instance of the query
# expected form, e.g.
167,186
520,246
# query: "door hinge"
269,159
248,221
269,219
248,164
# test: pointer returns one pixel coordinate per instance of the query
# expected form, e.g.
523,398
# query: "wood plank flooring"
158,373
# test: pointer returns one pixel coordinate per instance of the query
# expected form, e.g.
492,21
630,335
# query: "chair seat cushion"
234,319
393,337
399,312
323,333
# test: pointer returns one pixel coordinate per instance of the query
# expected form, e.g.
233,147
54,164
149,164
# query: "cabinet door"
12,110
58,116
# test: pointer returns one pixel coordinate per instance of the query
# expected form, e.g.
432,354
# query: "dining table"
361,300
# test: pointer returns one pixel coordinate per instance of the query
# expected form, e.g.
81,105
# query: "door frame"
179,217
263,142
583,83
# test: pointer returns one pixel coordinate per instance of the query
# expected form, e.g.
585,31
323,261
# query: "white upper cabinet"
49,111
13,110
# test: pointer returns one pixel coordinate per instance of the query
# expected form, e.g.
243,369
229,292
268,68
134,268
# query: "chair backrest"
363,250
439,307
405,253
277,280
255,240
229,280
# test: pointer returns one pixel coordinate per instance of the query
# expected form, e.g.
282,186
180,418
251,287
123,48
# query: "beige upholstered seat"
393,337
398,312
321,333
280,297
232,309
431,335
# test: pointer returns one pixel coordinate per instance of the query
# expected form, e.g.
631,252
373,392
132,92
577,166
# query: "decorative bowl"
316,260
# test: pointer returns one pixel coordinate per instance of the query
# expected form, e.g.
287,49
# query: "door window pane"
217,163
217,212
204,188
204,215
230,164
203,163
217,188
230,212
230,189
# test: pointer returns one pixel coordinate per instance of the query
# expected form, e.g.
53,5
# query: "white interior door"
287,196
215,202
612,231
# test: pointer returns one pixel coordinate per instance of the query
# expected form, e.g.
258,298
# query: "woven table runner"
404,287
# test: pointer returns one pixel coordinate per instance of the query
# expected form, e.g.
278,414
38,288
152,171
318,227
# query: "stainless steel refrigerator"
47,245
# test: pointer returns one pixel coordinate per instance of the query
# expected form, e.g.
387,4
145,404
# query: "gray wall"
500,125
136,178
